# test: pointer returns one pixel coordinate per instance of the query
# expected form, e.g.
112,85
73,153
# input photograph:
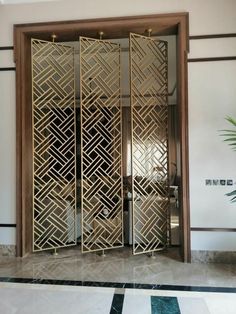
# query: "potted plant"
230,138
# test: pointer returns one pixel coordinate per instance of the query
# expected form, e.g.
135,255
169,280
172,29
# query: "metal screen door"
53,114
149,110
101,166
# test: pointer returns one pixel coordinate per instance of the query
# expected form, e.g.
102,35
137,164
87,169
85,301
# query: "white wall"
212,96
206,16
7,149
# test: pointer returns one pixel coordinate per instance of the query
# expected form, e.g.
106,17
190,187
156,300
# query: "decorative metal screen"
149,90
102,225
54,179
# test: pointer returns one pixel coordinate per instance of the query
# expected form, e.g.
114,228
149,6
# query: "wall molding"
212,36
7,225
210,59
6,48
8,69
213,229
7,250
225,257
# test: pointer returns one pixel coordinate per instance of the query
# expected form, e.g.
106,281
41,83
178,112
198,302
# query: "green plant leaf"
230,135
228,132
231,193
233,200
231,120
230,139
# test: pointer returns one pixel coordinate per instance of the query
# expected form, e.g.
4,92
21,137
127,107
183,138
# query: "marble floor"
33,298
119,266
118,283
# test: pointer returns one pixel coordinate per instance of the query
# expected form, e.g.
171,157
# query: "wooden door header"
117,27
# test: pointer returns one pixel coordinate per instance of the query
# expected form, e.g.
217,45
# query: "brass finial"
101,33
54,36
149,32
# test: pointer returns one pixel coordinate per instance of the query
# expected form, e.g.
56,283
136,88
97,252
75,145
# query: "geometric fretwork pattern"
53,145
149,91
101,197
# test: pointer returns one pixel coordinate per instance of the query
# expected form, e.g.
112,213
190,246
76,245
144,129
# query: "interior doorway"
114,28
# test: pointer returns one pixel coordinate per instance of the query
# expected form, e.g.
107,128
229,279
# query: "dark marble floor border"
118,285
117,304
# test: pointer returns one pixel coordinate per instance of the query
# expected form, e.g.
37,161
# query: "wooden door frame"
118,27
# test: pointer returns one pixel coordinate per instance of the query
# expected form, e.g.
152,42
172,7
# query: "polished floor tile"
119,283
136,305
164,305
38,299
119,266
180,302
193,305
25,298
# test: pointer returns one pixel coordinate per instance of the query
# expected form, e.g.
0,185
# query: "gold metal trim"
149,116
54,37
149,32
54,160
101,144
101,33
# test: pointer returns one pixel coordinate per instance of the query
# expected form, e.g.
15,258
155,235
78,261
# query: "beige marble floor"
63,299
119,266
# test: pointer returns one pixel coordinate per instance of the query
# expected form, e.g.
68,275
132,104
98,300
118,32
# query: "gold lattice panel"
53,145
148,61
102,214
